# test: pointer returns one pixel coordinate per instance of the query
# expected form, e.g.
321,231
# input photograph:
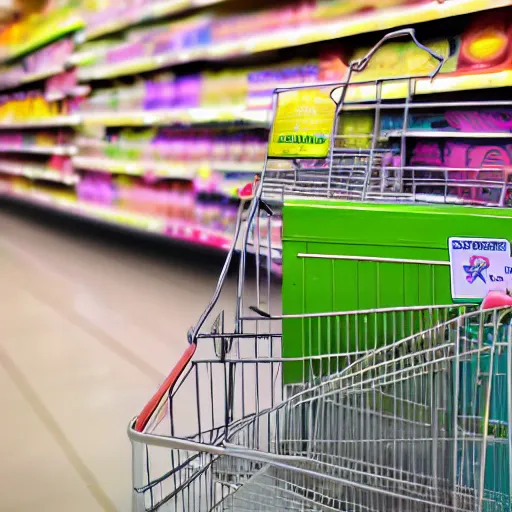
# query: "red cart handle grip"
166,386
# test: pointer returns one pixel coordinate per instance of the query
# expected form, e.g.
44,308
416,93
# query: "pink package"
484,162
482,121
427,153
472,156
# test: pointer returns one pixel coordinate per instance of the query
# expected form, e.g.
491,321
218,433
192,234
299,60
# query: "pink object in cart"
496,300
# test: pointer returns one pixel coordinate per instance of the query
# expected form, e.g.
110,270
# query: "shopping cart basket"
418,424
394,415
183,443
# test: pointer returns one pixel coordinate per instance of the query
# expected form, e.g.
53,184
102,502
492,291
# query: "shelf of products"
46,122
117,18
36,172
39,150
173,152
38,142
138,139
177,229
37,30
11,79
178,170
175,116
211,38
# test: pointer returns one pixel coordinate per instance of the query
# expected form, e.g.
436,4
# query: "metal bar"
372,258
428,105
460,307
445,134
509,402
281,461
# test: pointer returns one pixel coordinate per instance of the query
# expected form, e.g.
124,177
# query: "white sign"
478,266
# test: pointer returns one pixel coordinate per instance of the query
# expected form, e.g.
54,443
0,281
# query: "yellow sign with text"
303,123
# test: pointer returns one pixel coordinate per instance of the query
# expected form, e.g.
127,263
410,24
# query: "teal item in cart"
480,374
483,378
341,256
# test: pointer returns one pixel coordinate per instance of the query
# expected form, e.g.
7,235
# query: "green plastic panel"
333,228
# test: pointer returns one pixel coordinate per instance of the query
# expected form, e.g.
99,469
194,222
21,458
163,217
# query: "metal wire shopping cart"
402,408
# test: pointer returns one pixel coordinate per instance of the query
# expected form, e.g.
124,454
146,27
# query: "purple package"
288,76
151,96
125,52
188,90
168,94
165,44
158,95
310,73
162,143
177,146
87,188
106,190
81,188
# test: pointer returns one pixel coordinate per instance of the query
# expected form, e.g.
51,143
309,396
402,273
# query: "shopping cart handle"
260,312
361,64
166,386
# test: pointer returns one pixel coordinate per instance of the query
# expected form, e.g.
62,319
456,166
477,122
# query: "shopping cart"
389,409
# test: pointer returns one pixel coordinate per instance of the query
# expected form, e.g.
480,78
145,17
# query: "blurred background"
126,130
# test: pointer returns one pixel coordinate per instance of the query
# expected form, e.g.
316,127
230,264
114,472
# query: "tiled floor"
90,324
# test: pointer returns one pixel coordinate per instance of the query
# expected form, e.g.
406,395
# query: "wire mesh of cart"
225,435
418,425
391,140
373,423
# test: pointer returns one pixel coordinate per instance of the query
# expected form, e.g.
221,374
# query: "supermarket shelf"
358,23
276,252
435,134
81,58
33,77
442,83
230,188
40,150
185,170
261,117
177,230
58,29
177,116
35,172
81,90
50,122
144,13
113,166
139,65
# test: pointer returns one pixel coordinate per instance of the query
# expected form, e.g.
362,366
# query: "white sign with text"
478,266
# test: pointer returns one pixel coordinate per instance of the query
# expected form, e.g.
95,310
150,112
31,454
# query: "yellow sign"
303,123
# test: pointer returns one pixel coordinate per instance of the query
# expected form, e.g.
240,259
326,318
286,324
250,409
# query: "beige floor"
88,329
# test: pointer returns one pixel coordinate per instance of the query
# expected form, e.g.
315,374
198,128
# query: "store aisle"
88,329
